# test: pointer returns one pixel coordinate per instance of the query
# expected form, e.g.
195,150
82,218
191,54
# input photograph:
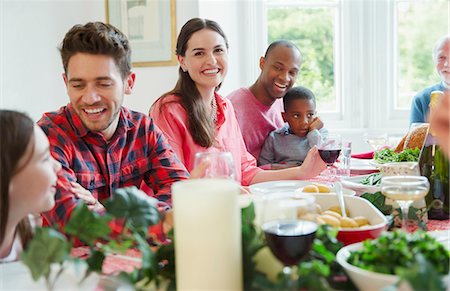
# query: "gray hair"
439,43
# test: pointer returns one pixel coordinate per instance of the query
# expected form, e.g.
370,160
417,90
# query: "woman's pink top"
174,124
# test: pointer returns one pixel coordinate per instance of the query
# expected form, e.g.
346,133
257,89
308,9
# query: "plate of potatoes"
295,186
364,221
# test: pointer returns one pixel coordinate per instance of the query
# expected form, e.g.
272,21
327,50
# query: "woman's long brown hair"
201,127
16,135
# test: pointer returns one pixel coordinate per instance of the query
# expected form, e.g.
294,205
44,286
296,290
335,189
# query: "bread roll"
413,139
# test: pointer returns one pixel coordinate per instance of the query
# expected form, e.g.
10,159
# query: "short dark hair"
281,42
97,38
297,93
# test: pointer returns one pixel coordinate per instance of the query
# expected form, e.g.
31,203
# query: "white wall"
30,74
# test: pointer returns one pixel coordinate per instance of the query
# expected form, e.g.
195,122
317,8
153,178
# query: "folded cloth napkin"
368,155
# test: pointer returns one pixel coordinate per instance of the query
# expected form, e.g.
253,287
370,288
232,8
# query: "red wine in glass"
329,156
290,241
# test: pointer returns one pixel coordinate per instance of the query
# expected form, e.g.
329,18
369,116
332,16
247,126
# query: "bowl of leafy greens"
388,155
395,257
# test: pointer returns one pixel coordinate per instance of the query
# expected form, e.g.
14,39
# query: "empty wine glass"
219,165
329,149
405,190
376,139
289,225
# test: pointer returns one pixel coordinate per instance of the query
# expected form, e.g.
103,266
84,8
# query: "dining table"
116,263
126,262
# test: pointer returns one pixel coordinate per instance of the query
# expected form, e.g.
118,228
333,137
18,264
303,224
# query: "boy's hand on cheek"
316,124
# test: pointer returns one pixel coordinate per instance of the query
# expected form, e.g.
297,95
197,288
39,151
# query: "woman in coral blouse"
195,118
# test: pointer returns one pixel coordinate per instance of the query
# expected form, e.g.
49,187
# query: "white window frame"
365,70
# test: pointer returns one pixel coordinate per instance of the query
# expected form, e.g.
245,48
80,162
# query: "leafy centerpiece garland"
137,212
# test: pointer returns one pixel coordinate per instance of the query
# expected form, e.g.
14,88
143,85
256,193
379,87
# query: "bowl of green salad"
417,259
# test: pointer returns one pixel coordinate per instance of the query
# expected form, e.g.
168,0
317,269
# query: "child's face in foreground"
32,189
300,115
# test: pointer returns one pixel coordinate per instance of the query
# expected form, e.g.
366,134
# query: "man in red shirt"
102,145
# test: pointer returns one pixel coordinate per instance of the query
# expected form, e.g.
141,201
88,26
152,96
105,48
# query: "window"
312,28
364,60
419,25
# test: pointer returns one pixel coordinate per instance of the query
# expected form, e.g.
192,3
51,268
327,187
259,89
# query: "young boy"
289,145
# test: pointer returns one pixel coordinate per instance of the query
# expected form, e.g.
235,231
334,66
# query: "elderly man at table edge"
101,144
441,59
258,108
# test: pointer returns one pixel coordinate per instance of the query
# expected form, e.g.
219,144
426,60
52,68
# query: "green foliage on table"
372,180
379,201
87,226
136,212
47,247
417,258
420,270
135,207
387,155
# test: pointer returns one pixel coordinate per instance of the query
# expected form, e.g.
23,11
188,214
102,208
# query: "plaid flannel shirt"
137,154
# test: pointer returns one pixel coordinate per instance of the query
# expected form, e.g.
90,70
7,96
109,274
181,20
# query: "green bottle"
435,166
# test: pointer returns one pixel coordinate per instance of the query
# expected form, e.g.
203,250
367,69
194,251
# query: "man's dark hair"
281,42
97,38
297,93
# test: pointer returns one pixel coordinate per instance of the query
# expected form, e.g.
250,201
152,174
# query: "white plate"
354,183
362,166
375,163
287,186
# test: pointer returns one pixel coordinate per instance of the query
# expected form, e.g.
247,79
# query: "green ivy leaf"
139,210
118,246
88,226
165,255
378,200
422,275
95,261
47,247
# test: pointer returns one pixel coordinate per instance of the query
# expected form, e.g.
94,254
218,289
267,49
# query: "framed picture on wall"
150,26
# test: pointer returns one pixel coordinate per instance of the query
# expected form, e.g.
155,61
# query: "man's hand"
92,203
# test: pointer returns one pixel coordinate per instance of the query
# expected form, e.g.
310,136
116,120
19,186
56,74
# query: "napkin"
368,155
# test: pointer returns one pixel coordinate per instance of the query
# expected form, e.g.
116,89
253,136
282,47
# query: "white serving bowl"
363,279
368,280
356,206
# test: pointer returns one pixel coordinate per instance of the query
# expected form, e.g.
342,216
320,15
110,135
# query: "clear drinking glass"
289,225
219,165
375,139
329,150
405,190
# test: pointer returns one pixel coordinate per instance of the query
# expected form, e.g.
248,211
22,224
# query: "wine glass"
375,139
289,225
405,190
219,165
329,149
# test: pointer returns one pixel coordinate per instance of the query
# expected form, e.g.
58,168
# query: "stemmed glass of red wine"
289,225
329,150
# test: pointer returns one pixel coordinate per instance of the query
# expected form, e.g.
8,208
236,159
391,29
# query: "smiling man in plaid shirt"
102,145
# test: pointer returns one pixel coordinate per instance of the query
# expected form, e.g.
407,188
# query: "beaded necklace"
214,110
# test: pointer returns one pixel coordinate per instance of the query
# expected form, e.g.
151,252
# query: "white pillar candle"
207,225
